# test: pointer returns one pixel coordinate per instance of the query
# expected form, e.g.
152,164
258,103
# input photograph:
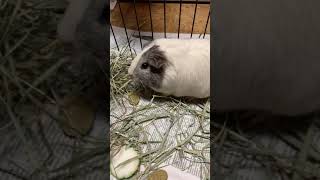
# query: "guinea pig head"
149,67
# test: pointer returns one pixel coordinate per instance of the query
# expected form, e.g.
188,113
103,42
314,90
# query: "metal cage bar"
194,17
150,18
164,16
164,2
169,1
114,37
205,29
135,12
179,18
125,29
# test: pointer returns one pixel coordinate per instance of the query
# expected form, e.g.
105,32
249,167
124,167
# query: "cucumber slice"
129,166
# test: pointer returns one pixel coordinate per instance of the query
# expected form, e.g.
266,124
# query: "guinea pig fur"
178,67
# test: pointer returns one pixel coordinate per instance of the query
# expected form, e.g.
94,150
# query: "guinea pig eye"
144,66
155,70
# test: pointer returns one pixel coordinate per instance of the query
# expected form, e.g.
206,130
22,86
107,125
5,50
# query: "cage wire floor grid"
179,131
236,166
13,148
179,167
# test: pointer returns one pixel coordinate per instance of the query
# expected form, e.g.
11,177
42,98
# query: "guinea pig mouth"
134,78
137,83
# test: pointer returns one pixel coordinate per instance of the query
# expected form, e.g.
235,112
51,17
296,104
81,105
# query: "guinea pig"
177,67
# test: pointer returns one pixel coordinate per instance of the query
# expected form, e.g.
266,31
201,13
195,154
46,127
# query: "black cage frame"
164,2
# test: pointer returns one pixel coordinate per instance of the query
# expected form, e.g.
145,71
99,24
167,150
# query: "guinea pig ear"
155,57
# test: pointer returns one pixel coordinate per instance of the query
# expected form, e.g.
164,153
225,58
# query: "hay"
166,131
233,150
119,79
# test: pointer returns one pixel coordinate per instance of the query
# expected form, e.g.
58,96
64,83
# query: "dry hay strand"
162,130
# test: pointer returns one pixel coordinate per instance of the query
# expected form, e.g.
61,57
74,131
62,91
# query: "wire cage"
133,24
166,18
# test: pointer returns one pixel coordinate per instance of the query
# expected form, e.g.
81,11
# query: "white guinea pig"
178,67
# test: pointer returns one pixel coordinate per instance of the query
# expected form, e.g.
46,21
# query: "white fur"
188,73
